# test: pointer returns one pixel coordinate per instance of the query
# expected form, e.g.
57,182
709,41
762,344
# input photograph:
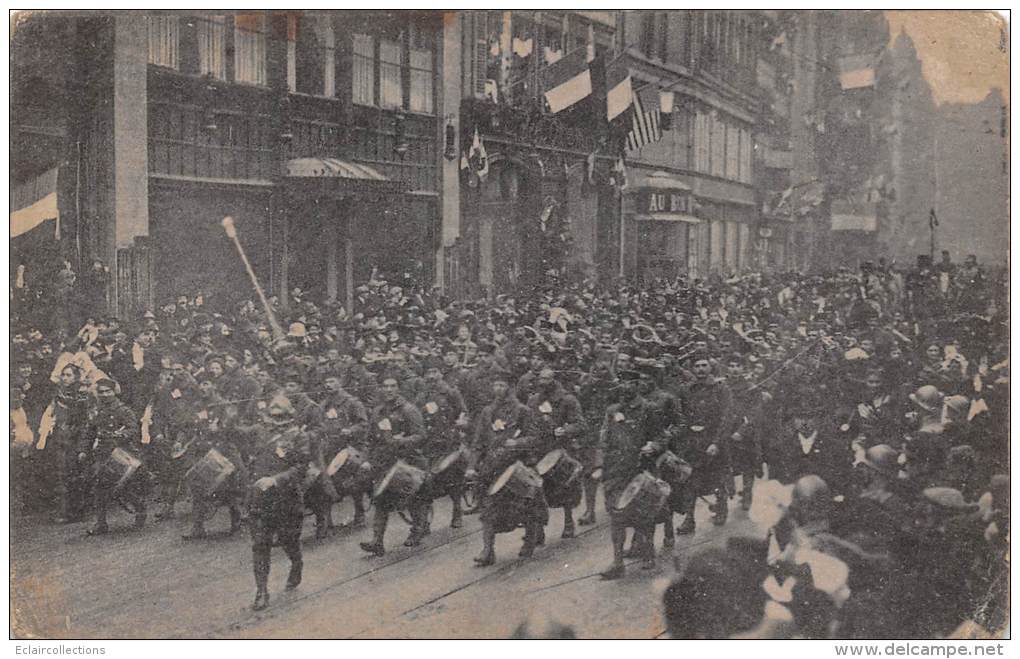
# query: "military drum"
208,474
399,486
642,500
118,469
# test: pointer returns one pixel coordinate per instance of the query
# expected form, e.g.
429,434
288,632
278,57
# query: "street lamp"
666,98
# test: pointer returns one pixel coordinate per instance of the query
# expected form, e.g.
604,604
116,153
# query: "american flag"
645,127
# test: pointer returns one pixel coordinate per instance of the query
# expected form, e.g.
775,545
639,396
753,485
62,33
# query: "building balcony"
525,124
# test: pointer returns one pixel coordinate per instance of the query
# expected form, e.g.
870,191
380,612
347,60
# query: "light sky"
964,54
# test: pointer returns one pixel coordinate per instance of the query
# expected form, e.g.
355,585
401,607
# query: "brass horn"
654,338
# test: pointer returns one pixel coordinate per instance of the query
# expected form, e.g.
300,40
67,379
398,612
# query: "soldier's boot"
379,521
198,515
590,491
100,527
747,491
294,576
648,550
618,533
235,519
687,527
419,524
721,508
668,536
488,555
530,540
568,523
359,510
321,527
260,564
637,545
457,521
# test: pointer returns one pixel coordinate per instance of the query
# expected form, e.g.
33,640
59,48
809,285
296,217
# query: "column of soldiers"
729,379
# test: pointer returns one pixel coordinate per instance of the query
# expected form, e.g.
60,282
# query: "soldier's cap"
948,500
213,357
106,383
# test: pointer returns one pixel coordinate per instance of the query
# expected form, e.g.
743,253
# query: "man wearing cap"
559,424
749,404
111,425
627,441
598,392
398,433
445,415
281,459
344,423
236,386
504,434
706,404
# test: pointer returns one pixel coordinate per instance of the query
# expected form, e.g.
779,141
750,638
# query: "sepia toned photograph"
509,324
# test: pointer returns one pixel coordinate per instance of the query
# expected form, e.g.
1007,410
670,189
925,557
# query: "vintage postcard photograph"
509,324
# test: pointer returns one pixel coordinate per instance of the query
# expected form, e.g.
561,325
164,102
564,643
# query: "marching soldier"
61,425
598,389
344,423
281,459
749,404
626,439
398,433
445,416
503,435
559,423
111,425
707,405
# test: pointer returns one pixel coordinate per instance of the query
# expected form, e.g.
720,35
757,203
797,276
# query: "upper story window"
250,48
311,54
164,41
395,68
212,46
655,34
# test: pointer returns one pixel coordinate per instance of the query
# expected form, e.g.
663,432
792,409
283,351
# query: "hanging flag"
590,168
35,202
933,220
478,159
551,56
523,47
645,127
567,81
619,92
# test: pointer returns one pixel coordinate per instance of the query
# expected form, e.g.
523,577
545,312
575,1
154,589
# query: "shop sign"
664,201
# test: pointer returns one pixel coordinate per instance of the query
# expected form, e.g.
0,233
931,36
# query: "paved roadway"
151,584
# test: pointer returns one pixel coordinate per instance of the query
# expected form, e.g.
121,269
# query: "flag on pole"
619,92
645,127
35,202
933,220
567,81
478,159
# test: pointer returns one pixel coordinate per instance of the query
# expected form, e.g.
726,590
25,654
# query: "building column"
449,110
130,158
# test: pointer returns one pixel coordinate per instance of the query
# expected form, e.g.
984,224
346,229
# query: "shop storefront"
662,237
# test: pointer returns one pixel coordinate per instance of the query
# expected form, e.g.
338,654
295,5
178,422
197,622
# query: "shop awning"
668,217
341,175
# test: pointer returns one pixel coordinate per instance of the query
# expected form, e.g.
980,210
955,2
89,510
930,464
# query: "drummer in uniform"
598,391
503,435
217,427
445,415
344,423
281,459
398,433
625,442
111,424
559,423
707,405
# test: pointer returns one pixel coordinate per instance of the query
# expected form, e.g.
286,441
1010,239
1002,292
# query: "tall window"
732,153
391,89
718,146
212,46
311,55
250,48
745,155
364,69
396,70
421,77
702,142
164,41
